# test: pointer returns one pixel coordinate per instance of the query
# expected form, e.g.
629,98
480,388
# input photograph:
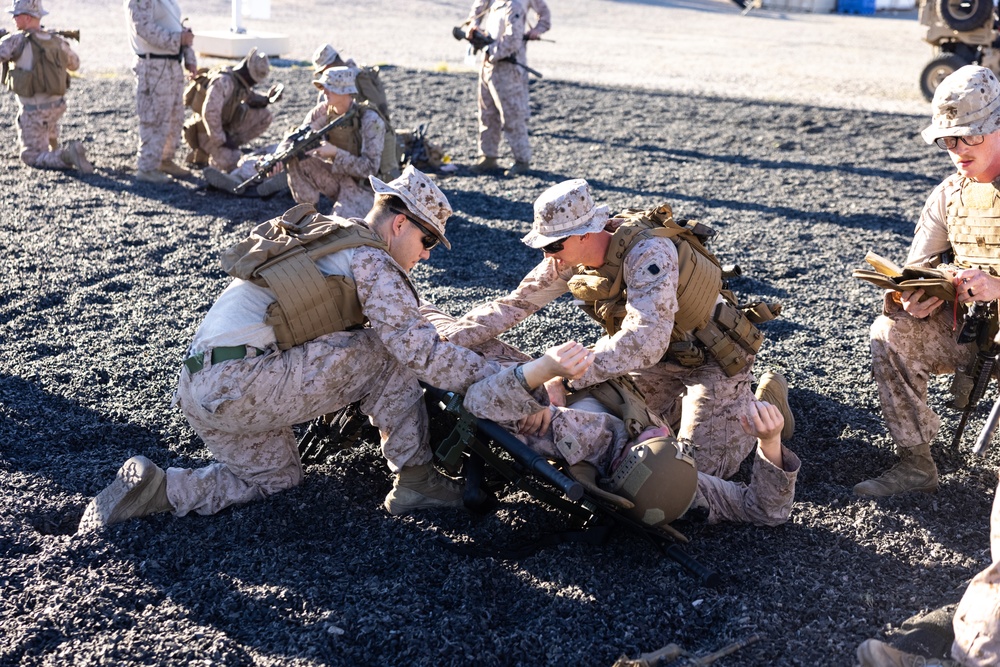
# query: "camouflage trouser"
244,411
906,351
159,103
977,619
503,105
38,131
708,404
310,177
249,124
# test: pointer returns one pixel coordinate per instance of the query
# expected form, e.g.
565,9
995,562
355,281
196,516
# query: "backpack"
48,73
194,91
370,89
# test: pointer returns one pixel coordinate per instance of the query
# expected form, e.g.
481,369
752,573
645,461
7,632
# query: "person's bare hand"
975,285
569,360
536,424
557,392
187,37
765,421
913,305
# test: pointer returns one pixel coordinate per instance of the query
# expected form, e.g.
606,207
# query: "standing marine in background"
35,68
503,95
162,47
227,111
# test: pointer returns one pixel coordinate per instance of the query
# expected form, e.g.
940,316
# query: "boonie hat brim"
382,188
598,219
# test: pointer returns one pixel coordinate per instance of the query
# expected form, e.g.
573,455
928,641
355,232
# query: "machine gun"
65,34
968,387
472,446
480,40
297,143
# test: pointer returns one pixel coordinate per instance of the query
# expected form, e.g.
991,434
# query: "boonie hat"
257,65
565,209
324,57
338,80
422,197
31,7
965,103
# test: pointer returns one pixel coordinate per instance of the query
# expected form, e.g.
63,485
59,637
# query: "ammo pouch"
729,337
281,254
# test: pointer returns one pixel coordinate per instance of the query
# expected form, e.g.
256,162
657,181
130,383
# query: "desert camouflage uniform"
906,351
244,409
977,619
598,437
708,401
222,142
38,116
503,95
155,28
345,179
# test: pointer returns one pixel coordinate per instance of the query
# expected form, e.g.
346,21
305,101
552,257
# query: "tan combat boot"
422,486
517,168
873,653
914,472
174,169
152,176
273,185
220,180
74,155
485,165
773,388
139,489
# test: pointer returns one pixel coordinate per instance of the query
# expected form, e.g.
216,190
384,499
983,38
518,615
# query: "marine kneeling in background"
35,65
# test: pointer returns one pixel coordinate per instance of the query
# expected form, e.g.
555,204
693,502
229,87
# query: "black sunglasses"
429,240
554,247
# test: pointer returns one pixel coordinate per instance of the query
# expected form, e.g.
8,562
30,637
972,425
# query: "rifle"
968,388
480,40
672,652
469,440
418,148
297,143
66,34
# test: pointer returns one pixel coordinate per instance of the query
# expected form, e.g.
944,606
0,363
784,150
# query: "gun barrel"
524,455
989,428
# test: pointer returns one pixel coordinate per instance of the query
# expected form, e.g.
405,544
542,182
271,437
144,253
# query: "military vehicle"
962,32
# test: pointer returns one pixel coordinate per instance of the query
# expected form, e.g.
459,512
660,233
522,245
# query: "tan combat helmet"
659,477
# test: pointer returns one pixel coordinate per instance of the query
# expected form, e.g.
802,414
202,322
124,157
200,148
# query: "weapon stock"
299,142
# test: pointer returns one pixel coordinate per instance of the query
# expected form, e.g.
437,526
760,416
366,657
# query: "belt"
159,56
219,354
47,105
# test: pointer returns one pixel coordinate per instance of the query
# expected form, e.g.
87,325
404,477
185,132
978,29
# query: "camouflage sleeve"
72,60
931,236
540,287
766,502
511,38
317,116
651,276
190,59
478,12
544,22
11,47
143,16
501,398
390,304
211,112
372,145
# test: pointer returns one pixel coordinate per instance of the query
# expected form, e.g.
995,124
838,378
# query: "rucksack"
370,89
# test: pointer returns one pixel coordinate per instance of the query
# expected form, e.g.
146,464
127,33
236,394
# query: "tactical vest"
47,76
197,91
974,226
707,324
348,137
281,254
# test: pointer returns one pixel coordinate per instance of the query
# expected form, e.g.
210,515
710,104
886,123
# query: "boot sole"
122,498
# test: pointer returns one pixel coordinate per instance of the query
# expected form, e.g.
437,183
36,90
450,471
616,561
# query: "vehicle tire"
936,70
964,15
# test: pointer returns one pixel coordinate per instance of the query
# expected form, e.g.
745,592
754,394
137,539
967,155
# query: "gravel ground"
105,281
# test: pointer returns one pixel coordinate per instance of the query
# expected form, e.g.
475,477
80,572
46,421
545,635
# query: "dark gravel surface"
105,280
